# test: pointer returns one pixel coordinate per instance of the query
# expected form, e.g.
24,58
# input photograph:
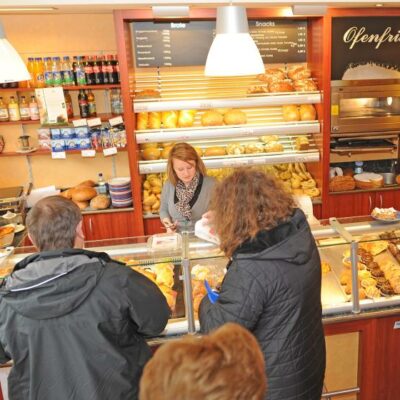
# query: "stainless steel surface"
232,19
336,393
187,283
354,277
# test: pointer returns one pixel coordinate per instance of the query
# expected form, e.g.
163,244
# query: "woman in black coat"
273,283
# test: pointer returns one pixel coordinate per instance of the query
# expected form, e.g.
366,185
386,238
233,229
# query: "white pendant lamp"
12,67
233,51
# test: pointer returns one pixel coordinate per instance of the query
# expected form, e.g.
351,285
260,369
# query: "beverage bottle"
101,184
24,109
34,109
98,75
74,69
91,104
89,75
68,104
4,117
103,67
23,84
110,70
83,104
13,110
56,69
29,66
38,73
67,75
116,69
80,72
359,167
48,73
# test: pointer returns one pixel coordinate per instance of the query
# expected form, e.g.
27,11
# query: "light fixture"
160,12
233,51
12,67
309,9
378,5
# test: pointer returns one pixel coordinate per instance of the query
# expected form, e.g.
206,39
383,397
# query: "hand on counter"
171,226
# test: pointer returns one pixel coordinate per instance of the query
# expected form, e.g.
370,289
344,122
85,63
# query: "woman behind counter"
186,194
273,283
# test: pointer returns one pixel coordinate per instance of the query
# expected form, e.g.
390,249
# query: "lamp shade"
233,51
12,67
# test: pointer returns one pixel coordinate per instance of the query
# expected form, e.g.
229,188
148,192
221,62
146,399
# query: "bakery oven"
365,106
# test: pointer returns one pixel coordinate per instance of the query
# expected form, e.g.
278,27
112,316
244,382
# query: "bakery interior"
320,121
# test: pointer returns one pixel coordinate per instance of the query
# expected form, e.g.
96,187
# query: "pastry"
253,148
142,120
186,118
381,280
222,110
169,294
212,118
154,121
255,89
273,147
302,143
377,272
366,258
6,230
364,274
100,202
83,193
235,149
164,274
325,267
386,289
297,72
271,75
393,249
169,119
235,117
361,294
307,112
372,265
280,86
368,282
290,113
372,292
269,138
375,247
66,194
387,214
214,151
147,94
305,85
341,183
368,180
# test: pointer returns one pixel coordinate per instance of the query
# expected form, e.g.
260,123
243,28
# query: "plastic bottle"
4,117
104,70
48,73
56,69
91,104
101,184
79,72
110,70
67,75
98,75
23,84
89,75
68,104
359,167
29,66
116,102
116,69
34,109
24,109
83,104
38,73
13,110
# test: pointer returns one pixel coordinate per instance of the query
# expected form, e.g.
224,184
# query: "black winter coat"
74,322
273,288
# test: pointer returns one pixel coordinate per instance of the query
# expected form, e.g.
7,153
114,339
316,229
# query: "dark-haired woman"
273,282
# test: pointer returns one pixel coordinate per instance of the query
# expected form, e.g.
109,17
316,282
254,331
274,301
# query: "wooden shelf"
44,152
94,87
380,189
29,122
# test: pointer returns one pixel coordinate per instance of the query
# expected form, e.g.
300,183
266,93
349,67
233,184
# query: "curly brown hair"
246,202
184,152
226,365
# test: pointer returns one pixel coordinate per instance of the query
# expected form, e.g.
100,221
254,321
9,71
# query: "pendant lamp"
12,67
233,51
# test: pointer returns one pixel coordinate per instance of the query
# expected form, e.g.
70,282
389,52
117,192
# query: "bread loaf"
100,202
186,118
290,113
302,143
88,183
235,148
368,180
148,94
269,138
154,121
66,194
212,118
297,72
151,153
142,120
305,85
214,151
81,204
169,119
280,86
341,183
235,117
83,193
307,112
273,147
253,148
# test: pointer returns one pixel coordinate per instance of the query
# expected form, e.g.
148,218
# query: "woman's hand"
171,226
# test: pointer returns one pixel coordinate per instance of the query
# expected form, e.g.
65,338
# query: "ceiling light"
233,51
12,67
170,11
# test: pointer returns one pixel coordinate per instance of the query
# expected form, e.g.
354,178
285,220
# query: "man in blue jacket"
74,321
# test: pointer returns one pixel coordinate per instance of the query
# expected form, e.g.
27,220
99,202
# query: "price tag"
248,131
110,151
396,325
116,121
94,122
79,122
88,153
205,105
140,107
58,155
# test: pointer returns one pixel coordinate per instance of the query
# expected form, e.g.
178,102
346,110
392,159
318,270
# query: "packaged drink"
48,73
101,184
38,73
13,110
3,111
89,74
68,104
116,69
98,75
29,66
91,104
56,69
116,102
73,65
110,70
67,74
79,72
23,84
24,109
103,68
83,104
34,109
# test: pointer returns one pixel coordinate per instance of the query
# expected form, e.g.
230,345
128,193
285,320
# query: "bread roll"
307,112
151,153
142,119
143,146
148,94
169,119
269,138
88,183
368,180
273,147
280,86
341,183
165,152
254,148
81,204
214,151
302,143
235,149
305,85
222,111
290,113
212,118
66,193
254,89
272,75
299,72
83,193
100,202
154,121
235,117
186,118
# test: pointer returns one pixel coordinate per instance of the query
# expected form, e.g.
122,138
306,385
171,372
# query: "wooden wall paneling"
348,205
153,226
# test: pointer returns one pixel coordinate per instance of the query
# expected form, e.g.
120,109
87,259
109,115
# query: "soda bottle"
91,104
38,72
79,72
56,69
74,69
98,75
68,104
110,70
103,68
24,109
4,117
34,109
83,104
116,69
89,75
13,110
29,66
48,73
67,75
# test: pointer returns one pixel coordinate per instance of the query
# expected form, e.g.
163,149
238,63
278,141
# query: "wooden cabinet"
108,225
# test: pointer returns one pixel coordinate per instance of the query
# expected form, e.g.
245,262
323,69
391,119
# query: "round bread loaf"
154,121
212,118
169,119
235,117
100,202
214,151
88,183
81,204
307,112
143,146
151,153
368,180
66,193
141,120
290,113
83,193
186,118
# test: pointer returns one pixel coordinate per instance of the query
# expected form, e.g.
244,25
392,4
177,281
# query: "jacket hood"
291,241
54,283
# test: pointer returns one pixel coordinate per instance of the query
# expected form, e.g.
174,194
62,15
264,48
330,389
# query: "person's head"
55,223
246,202
184,163
225,365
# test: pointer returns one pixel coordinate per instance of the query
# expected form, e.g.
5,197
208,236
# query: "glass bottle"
13,110
98,75
34,109
38,73
67,75
48,73
4,117
24,109
56,69
91,104
101,184
68,104
359,167
29,66
83,104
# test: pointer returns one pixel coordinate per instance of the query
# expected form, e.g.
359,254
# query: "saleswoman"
186,194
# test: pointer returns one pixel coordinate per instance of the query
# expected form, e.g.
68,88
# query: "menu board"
167,44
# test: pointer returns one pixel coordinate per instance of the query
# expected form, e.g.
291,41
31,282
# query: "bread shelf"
44,152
